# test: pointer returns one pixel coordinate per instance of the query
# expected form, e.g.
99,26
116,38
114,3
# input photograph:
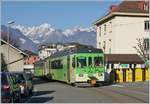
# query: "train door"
46,68
72,68
68,69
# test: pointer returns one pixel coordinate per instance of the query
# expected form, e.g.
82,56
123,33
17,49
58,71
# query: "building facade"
118,31
30,60
46,50
12,57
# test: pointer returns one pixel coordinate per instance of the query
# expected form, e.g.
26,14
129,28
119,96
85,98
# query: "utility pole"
8,37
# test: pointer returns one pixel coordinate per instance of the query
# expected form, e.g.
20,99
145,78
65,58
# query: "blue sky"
60,14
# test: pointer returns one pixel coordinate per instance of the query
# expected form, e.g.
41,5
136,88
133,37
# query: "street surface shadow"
40,99
39,93
37,81
97,85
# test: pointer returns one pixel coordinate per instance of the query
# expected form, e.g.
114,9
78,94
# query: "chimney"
143,5
113,8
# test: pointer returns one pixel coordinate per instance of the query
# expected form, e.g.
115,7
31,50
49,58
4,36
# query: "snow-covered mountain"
46,33
22,41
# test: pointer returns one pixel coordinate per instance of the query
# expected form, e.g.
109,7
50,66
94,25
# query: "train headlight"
100,74
80,75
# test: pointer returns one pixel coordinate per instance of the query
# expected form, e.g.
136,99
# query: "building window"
109,45
110,27
104,46
99,44
146,25
146,44
99,31
105,29
145,6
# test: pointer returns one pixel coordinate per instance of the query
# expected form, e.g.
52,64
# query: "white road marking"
116,85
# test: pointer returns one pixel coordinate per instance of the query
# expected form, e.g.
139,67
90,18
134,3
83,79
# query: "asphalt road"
56,92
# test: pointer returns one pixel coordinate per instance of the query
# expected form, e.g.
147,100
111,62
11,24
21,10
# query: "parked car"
25,83
29,74
10,90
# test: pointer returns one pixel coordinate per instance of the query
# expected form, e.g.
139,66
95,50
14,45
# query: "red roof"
131,7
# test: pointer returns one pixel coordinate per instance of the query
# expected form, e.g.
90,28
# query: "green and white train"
76,65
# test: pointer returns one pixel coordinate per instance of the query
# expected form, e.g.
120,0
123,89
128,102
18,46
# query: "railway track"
114,97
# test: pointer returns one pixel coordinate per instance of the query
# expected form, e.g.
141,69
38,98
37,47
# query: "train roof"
76,50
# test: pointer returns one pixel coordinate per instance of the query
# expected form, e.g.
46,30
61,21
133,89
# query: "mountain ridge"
46,33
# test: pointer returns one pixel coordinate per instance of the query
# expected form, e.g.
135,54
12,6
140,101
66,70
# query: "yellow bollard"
119,75
129,75
138,75
147,74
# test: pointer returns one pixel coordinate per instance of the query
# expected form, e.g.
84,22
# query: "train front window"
81,62
89,61
98,61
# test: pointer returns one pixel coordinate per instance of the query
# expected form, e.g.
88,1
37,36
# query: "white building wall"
46,52
123,32
13,56
127,30
107,36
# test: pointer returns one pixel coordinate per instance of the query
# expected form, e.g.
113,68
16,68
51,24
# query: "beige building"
118,30
12,57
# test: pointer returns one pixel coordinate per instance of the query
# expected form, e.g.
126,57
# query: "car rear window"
4,79
19,77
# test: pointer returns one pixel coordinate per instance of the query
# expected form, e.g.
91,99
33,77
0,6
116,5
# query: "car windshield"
28,76
98,61
19,77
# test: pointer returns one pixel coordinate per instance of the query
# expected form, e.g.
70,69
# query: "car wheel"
19,99
12,100
31,92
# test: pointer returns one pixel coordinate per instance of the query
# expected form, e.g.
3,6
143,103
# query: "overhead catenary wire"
115,25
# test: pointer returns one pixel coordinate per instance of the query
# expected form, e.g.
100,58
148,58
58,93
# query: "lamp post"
8,33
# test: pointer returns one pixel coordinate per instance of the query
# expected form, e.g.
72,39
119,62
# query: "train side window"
57,64
73,62
90,61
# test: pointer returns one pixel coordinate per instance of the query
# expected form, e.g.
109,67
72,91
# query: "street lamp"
8,33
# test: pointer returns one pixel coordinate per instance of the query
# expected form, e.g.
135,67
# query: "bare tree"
142,48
